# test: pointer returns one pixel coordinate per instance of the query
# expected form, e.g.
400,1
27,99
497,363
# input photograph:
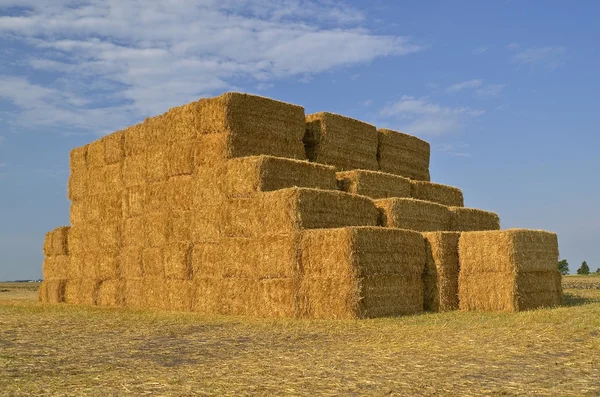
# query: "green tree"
584,269
598,270
563,267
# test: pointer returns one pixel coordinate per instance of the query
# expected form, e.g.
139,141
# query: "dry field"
71,350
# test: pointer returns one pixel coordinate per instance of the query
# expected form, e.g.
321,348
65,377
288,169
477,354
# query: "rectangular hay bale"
57,241
178,260
403,154
340,141
247,176
412,214
134,170
52,291
373,184
472,219
82,291
110,293
114,147
437,193
441,272
55,267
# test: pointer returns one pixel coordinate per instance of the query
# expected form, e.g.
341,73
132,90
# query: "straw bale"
360,272
82,238
247,176
288,210
156,165
153,262
178,260
134,170
156,228
112,178
78,185
412,214
403,155
179,158
471,219
82,291
57,242
180,294
212,150
156,293
180,226
437,193
257,125
106,207
52,291
75,264
340,141
130,262
136,141
441,271
206,222
107,265
110,293
95,155
88,265
114,147
134,232
208,186
78,160
175,194
373,184
134,201
275,297
232,296
512,250
55,267
134,293
268,256
109,236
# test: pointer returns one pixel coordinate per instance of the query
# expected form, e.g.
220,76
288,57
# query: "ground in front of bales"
71,350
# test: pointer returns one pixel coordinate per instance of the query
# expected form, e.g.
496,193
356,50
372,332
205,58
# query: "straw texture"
374,184
403,155
411,214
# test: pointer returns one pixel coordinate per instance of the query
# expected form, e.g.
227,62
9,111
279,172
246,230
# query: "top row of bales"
241,125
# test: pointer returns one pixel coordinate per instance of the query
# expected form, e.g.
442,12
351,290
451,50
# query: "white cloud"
368,102
464,85
491,90
147,56
419,116
549,57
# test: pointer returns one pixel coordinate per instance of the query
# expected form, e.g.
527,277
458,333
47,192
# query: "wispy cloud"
464,85
454,149
145,57
550,57
420,116
368,102
490,90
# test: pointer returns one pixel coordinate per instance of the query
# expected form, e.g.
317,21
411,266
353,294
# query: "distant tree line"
563,267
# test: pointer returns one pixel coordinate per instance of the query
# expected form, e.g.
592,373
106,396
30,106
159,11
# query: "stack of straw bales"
509,270
241,205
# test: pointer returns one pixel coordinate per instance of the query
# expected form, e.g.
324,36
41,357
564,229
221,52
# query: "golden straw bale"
156,228
95,155
257,125
360,272
110,293
77,185
275,297
52,291
268,256
232,296
437,193
206,222
441,272
179,158
134,232
153,262
412,214
471,219
113,178
75,265
156,293
89,264
134,293
136,141
208,186
78,160
288,210
156,165
55,267
212,150
57,241
107,265
109,236
81,291
114,147
508,270
340,141
99,208
130,262
134,201
180,294
403,155
178,260
134,170
248,175
82,238
175,194
373,184
180,226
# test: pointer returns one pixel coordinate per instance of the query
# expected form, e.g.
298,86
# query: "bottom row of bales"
350,272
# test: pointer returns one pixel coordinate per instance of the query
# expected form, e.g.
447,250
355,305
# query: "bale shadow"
570,299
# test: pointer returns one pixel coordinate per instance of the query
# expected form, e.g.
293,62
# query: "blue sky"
505,91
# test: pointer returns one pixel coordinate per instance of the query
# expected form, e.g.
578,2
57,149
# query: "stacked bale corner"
403,155
359,272
509,270
56,265
373,184
437,193
472,219
411,214
440,278
340,141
